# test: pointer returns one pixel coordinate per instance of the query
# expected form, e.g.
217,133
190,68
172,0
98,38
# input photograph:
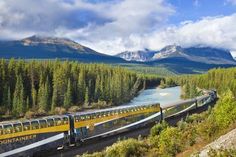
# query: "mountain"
38,47
206,55
198,54
141,56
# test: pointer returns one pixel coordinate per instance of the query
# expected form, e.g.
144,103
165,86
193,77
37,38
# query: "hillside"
37,47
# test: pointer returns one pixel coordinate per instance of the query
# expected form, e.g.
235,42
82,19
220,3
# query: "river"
157,95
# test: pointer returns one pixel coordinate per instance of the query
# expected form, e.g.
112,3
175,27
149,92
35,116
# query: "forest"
193,132
48,87
221,79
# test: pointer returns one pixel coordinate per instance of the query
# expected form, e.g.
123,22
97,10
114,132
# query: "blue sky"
112,26
196,9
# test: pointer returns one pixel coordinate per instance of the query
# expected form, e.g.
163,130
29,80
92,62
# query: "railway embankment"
224,142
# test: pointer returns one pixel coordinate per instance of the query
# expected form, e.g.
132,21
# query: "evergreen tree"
81,86
68,96
86,99
9,99
55,98
41,97
18,100
33,96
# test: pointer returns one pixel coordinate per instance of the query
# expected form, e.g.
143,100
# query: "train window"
17,127
43,123
58,121
88,116
65,120
82,117
100,115
8,129
94,116
77,118
1,130
26,126
50,122
113,113
34,125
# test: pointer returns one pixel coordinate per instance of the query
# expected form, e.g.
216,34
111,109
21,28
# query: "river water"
157,95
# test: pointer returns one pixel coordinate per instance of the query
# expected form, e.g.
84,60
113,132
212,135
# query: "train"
29,137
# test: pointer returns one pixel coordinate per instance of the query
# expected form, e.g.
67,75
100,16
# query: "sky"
113,26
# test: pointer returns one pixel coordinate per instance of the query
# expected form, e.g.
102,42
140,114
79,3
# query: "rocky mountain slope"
206,55
38,47
141,56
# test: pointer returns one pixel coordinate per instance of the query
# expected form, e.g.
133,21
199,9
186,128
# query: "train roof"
78,113
30,120
112,109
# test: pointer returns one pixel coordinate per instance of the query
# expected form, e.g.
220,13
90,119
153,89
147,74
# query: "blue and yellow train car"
18,138
87,124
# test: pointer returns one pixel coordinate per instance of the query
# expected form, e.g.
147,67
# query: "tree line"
221,79
43,86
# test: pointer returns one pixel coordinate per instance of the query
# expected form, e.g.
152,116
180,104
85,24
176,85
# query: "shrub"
97,154
170,142
222,153
30,114
225,110
127,148
60,110
74,109
158,128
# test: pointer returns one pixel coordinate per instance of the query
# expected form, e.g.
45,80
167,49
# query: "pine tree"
5,97
18,100
27,104
55,98
9,99
47,94
86,99
33,96
81,86
41,98
68,96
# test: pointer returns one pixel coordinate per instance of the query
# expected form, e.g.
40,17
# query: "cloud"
216,31
92,22
46,16
112,26
131,20
210,31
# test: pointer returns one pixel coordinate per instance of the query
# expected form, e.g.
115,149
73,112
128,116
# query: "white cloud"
217,31
113,26
210,31
96,24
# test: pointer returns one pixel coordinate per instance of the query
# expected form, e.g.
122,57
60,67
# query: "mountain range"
172,57
206,55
